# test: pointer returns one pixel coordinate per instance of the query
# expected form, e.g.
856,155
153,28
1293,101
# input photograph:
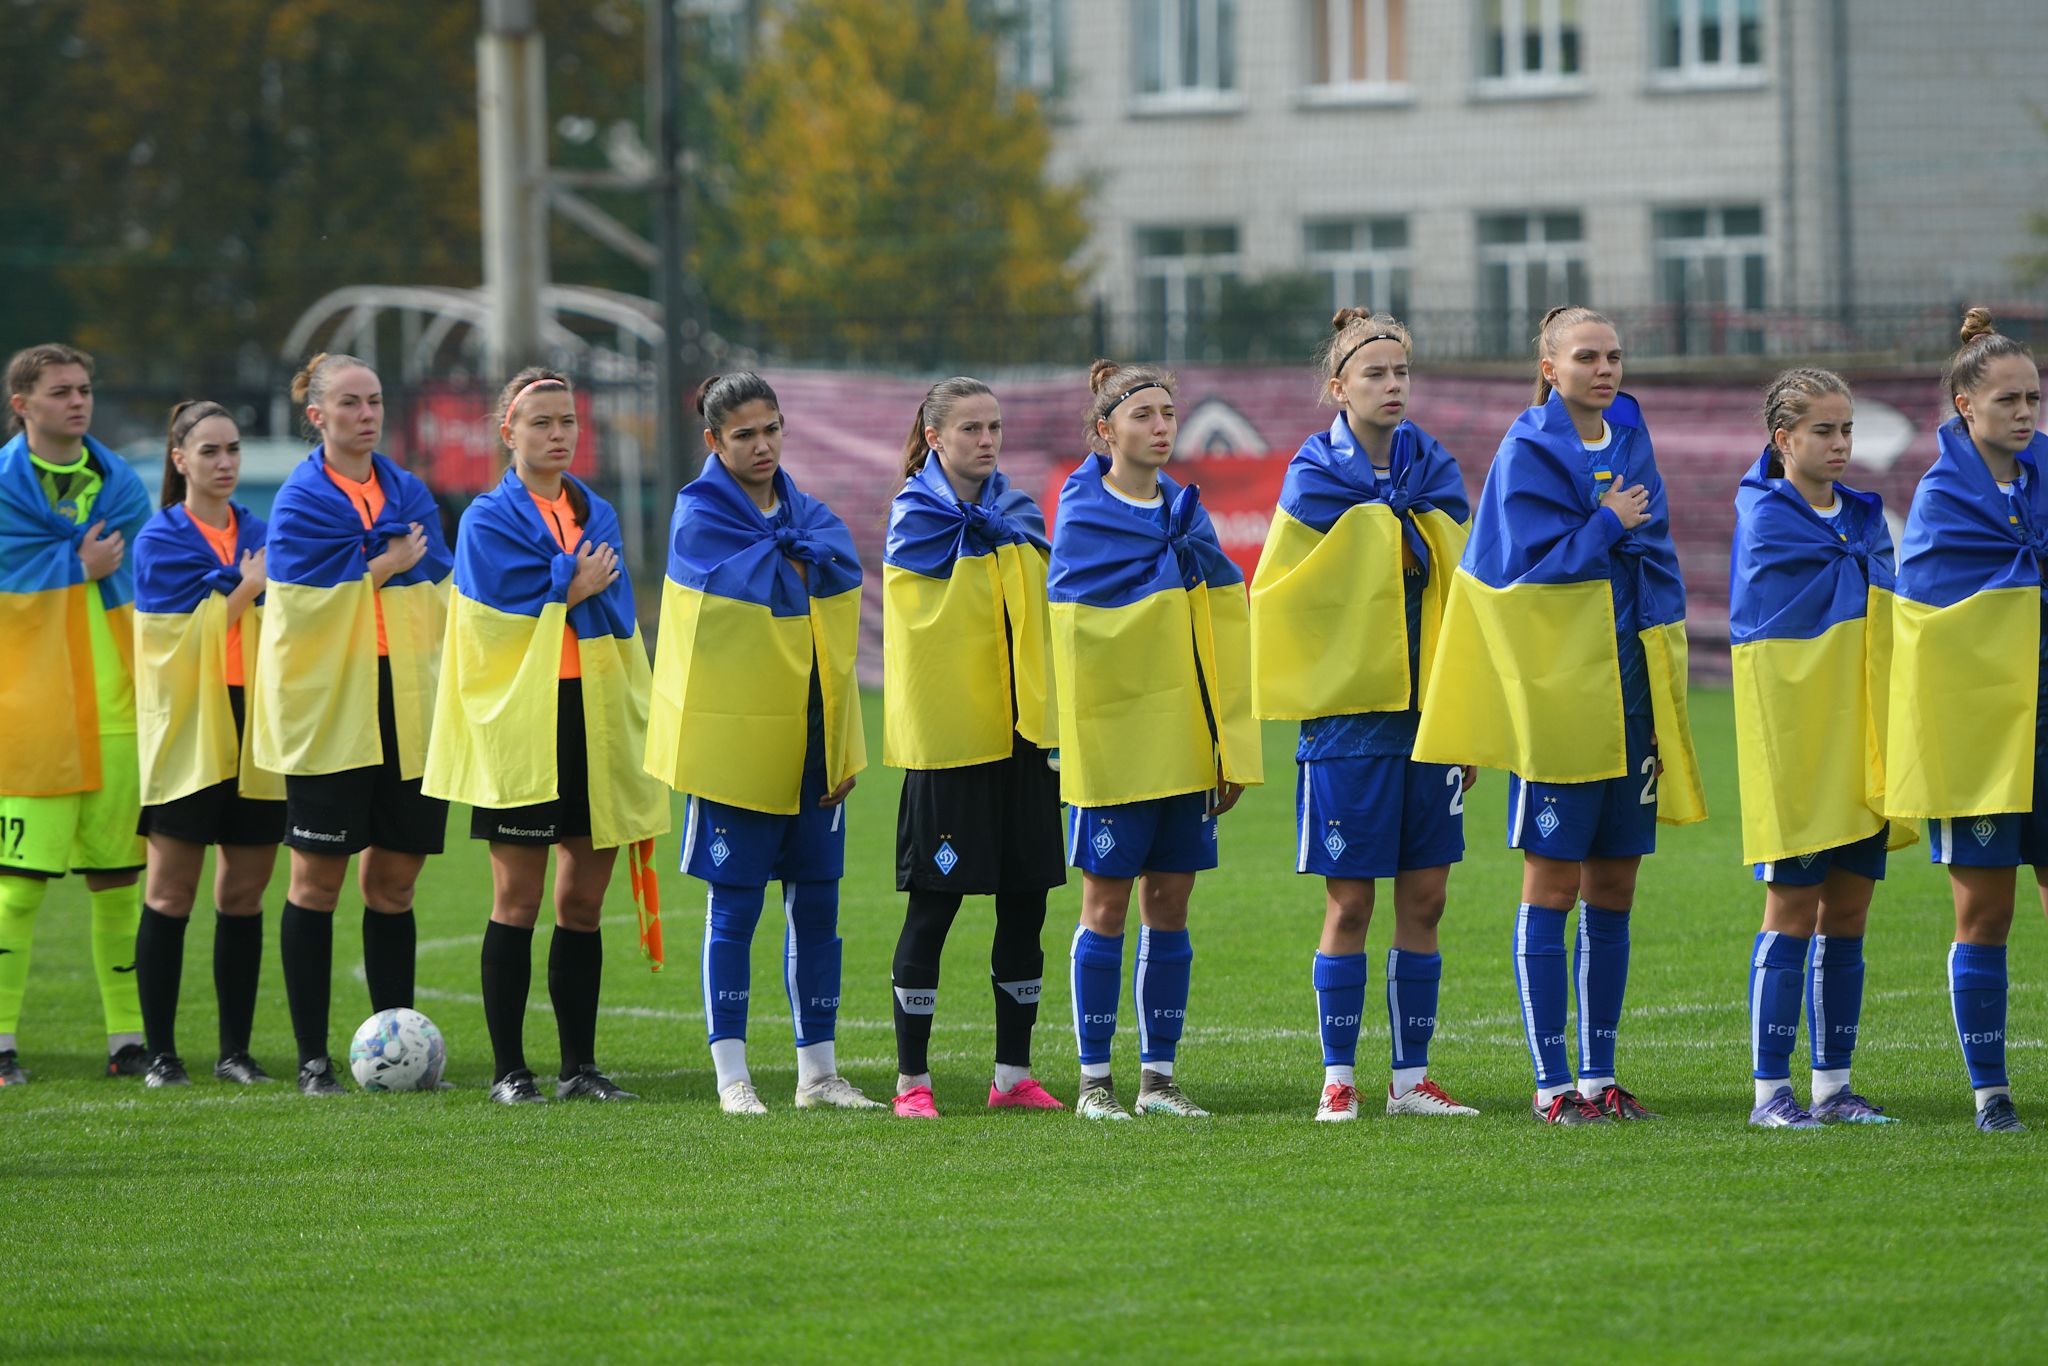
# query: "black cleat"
241,1069
1998,1117
517,1088
12,1073
1569,1108
316,1078
166,1069
1618,1104
129,1060
587,1083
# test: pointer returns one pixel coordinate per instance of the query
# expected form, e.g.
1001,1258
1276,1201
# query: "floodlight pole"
511,90
675,432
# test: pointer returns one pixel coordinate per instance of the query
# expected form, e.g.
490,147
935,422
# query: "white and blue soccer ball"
398,1050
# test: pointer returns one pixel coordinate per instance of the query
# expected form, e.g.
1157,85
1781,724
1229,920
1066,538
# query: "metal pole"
675,431
512,132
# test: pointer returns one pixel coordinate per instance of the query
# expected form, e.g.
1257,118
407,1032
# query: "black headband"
1135,388
1345,359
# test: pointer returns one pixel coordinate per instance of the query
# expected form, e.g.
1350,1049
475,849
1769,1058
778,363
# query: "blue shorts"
1613,818
1164,835
1864,858
741,848
1378,816
2003,841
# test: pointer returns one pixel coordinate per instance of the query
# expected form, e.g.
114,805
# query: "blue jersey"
1375,734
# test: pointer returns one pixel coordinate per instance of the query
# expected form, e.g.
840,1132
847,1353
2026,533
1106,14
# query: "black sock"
1017,969
388,950
237,963
575,970
915,974
305,941
159,968
508,976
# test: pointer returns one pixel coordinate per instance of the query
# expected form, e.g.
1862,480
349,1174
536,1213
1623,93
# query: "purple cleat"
1781,1112
1846,1107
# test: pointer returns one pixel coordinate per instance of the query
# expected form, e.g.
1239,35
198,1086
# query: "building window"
1357,45
1712,270
1529,43
1365,260
1529,263
1187,53
1182,275
1710,41
1032,40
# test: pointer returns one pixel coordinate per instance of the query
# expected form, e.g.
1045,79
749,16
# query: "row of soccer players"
1117,667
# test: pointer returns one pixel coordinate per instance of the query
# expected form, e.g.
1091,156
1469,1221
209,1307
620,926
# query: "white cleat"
1159,1095
1339,1104
740,1098
1098,1101
833,1091
1425,1098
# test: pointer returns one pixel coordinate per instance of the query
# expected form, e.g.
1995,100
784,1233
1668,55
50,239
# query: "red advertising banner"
456,449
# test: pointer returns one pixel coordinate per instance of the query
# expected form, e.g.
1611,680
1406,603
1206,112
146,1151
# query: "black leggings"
1016,969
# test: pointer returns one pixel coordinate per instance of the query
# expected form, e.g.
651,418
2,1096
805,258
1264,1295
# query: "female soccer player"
1968,731
69,798
1809,606
198,592
540,724
356,605
1345,607
1150,653
969,717
1563,660
756,716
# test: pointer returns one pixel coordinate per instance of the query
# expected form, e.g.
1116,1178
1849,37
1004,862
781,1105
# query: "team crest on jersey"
720,851
1103,842
1333,843
1806,860
1547,821
946,858
1984,829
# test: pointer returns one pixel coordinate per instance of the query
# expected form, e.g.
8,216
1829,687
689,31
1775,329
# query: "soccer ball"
397,1050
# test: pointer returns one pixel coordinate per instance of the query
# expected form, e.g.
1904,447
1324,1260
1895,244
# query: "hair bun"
302,382
1977,323
1100,373
704,391
1344,317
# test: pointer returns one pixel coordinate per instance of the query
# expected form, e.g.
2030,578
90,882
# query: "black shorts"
981,829
347,812
219,814
568,815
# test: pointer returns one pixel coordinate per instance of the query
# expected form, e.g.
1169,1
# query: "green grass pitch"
214,1224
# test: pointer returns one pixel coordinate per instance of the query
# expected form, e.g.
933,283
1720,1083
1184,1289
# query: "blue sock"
1540,982
810,959
1976,990
1834,999
1097,980
1159,991
1601,966
1775,966
1412,982
1340,1003
728,940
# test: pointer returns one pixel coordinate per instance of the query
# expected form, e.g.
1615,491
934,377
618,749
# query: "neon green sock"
116,913
19,898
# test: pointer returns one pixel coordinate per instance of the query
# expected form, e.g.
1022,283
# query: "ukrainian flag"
1809,623
966,641
1528,670
49,698
495,716
1966,652
1329,623
1151,648
313,706
185,724
750,602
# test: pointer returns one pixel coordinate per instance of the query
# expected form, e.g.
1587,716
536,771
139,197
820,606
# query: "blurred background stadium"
858,196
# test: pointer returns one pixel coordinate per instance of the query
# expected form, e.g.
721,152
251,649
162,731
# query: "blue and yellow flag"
966,640
1328,611
1151,647
1809,623
741,625
314,704
48,691
1966,628
185,724
495,715
1528,669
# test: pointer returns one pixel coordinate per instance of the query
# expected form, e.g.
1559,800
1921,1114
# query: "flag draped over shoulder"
1809,624
185,723
1151,648
965,636
1329,624
740,627
314,704
1967,638
495,715
1528,674
48,696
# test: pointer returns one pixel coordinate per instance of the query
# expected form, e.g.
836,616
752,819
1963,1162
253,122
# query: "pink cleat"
916,1103
1025,1095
